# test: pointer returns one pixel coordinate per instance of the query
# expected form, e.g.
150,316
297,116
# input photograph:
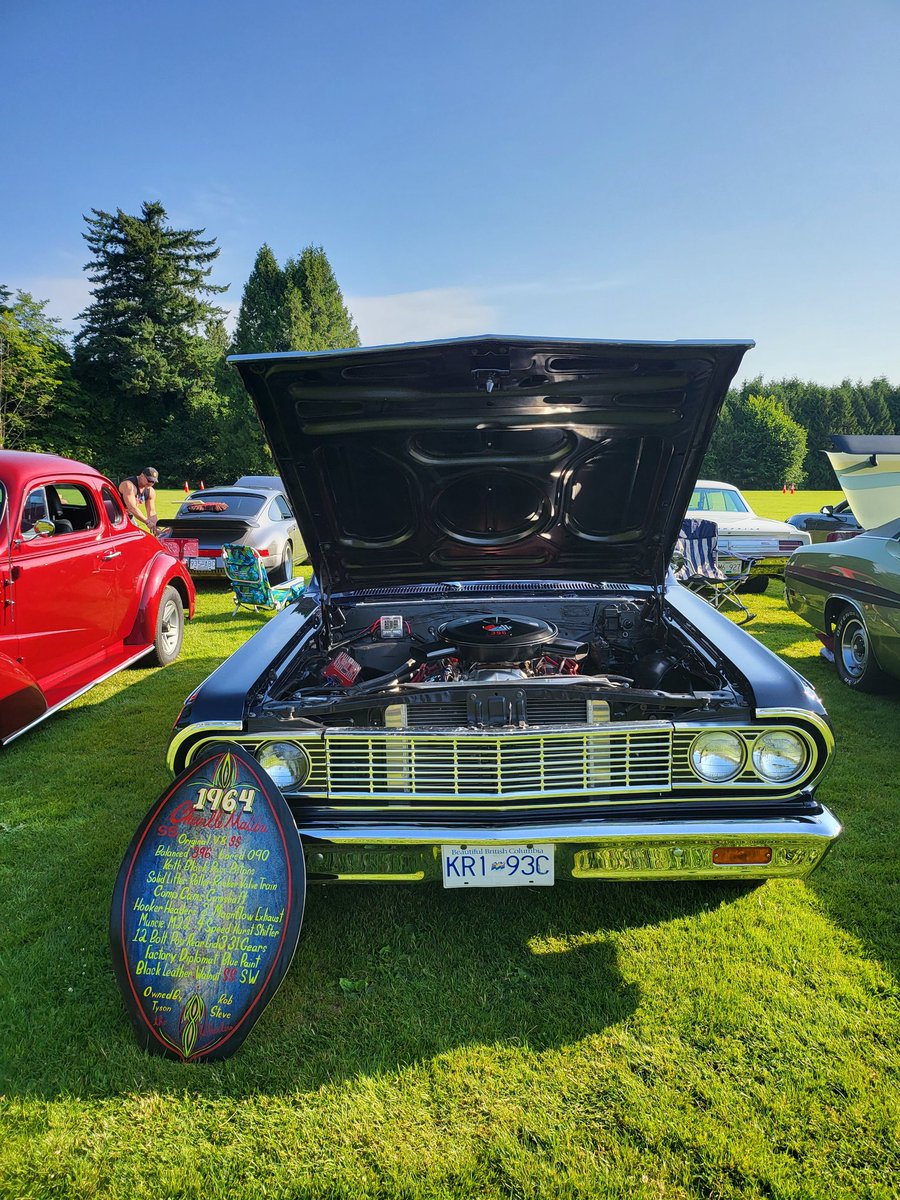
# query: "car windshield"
235,504
706,499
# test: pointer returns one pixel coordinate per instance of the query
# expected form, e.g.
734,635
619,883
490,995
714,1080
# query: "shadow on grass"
384,976
859,883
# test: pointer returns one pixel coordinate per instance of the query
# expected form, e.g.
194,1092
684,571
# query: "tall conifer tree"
331,326
145,342
262,323
298,308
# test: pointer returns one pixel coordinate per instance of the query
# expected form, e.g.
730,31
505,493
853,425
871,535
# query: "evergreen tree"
263,325
873,397
262,321
331,326
35,379
298,308
756,444
820,411
144,346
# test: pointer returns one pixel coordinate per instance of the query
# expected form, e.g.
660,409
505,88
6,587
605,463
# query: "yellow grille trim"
429,771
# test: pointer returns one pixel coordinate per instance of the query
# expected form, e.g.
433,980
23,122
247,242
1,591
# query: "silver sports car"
251,512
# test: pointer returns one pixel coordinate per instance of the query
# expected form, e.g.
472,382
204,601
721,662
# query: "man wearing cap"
137,490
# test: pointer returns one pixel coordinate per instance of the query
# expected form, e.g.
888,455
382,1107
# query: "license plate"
497,866
730,566
202,564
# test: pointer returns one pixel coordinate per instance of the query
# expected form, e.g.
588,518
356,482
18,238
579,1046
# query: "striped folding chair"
696,566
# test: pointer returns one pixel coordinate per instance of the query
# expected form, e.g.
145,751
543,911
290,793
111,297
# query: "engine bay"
536,662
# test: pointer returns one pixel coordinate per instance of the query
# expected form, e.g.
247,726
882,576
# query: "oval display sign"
207,908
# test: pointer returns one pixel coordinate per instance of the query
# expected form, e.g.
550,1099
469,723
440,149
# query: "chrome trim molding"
81,691
223,727
746,778
351,852
800,714
364,770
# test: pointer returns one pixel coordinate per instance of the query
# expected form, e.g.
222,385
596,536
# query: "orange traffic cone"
784,489
792,489
202,486
186,488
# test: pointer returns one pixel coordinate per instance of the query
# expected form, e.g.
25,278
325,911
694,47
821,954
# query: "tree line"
145,379
773,433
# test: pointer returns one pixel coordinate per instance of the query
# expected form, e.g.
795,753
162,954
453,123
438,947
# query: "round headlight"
286,765
717,756
779,755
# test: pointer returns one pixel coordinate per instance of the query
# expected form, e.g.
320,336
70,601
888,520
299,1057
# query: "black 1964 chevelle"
496,680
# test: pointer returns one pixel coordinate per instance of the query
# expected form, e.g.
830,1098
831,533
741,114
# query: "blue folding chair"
250,583
697,567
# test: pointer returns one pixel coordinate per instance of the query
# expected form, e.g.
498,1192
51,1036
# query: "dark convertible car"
832,523
496,680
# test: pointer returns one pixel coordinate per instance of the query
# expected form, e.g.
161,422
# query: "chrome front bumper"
362,852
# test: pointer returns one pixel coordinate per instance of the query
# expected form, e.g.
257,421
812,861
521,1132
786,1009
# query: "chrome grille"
511,765
368,768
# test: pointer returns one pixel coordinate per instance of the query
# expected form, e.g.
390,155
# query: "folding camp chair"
250,584
696,566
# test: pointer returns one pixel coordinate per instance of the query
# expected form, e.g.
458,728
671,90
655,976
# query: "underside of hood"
491,457
868,470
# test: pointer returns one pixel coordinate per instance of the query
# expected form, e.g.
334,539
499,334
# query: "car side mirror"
44,527
827,509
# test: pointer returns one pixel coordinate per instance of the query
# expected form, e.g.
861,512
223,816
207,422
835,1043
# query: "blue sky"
632,169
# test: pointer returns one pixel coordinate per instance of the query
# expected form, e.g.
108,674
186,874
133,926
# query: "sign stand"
207,908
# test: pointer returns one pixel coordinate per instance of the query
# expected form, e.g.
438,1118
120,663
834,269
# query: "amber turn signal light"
735,856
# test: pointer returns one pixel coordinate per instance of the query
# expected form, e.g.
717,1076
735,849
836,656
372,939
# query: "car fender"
21,700
775,684
162,571
879,630
833,605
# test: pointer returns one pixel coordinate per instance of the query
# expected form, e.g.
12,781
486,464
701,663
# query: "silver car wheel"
854,648
170,626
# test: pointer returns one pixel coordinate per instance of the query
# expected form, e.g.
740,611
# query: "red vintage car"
83,591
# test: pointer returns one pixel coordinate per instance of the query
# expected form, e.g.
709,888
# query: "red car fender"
21,699
163,571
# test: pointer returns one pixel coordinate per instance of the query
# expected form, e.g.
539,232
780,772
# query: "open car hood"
491,457
868,470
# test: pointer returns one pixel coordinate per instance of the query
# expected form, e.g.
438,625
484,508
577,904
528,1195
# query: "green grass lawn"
664,1041
780,505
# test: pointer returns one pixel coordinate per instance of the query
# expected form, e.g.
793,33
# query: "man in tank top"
137,490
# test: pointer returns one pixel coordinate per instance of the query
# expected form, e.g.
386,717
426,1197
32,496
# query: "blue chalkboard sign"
207,908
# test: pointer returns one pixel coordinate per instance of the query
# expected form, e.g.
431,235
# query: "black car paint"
840,520
229,694
491,457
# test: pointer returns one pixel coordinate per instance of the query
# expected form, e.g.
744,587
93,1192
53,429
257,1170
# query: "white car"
747,542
